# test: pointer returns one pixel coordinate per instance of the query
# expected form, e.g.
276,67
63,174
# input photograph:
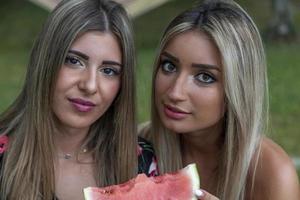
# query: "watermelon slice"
177,186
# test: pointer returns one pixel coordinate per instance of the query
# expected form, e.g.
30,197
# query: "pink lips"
175,113
82,105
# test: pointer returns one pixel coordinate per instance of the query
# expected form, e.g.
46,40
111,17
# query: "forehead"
97,42
195,47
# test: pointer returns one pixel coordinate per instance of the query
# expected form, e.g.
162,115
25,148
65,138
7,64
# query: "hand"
203,195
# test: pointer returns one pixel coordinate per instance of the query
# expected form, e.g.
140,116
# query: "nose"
177,91
88,81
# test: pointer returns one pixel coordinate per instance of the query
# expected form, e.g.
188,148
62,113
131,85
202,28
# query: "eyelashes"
73,60
202,76
168,67
110,71
77,63
205,77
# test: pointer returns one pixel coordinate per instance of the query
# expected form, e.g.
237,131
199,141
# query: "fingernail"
199,193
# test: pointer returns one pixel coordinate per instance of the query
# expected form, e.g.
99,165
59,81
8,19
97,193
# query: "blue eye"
71,60
168,66
110,71
205,78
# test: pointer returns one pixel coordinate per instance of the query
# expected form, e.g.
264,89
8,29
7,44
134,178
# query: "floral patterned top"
147,161
146,157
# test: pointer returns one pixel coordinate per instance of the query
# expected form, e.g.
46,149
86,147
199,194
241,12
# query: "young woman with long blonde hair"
210,106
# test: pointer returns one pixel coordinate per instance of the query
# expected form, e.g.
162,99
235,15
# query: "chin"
175,127
74,124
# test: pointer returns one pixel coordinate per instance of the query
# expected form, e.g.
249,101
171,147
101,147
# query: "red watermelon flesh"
175,186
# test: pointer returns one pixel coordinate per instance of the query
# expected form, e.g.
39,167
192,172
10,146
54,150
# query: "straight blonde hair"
246,94
28,165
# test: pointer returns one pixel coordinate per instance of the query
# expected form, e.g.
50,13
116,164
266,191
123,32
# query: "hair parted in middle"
238,40
31,122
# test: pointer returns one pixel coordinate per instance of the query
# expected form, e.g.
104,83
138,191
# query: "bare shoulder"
276,176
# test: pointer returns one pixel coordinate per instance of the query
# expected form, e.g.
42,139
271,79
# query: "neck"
70,140
202,146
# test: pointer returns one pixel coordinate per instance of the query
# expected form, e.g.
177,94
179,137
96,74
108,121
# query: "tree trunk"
281,26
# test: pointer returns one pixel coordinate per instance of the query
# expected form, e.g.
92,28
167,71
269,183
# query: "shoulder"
276,176
144,130
146,158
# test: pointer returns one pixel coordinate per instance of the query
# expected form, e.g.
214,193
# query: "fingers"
199,194
203,195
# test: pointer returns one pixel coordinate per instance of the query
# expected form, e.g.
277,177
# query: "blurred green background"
20,22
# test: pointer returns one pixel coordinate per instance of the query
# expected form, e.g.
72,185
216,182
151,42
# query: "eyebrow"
170,56
78,53
110,62
206,66
196,65
86,57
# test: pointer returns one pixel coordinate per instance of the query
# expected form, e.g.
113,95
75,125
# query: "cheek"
162,84
61,85
158,89
111,90
65,79
60,82
220,101
209,100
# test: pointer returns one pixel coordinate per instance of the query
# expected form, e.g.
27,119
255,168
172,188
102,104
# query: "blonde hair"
246,93
28,164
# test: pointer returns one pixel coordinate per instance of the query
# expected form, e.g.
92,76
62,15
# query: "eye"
168,67
72,60
110,71
205,78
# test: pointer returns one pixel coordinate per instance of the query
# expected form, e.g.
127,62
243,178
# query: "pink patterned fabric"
147,158
3,143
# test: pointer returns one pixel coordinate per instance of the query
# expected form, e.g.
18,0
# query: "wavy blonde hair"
28,165
246,94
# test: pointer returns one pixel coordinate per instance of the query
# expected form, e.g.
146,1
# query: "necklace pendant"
67,156
84,150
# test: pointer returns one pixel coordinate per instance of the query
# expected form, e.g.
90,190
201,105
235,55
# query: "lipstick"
82,105
175,113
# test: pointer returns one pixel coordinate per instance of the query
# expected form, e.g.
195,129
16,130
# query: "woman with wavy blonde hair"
210,106
73,124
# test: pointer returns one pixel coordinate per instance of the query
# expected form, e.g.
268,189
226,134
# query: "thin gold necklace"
69,156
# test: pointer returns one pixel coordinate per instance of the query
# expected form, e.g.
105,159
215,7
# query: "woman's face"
189,92
88,81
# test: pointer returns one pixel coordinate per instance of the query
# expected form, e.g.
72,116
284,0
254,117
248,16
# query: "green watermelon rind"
87,192
190,170
192,173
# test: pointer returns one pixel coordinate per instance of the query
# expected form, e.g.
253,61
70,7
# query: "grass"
19,29
17,32
284,95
